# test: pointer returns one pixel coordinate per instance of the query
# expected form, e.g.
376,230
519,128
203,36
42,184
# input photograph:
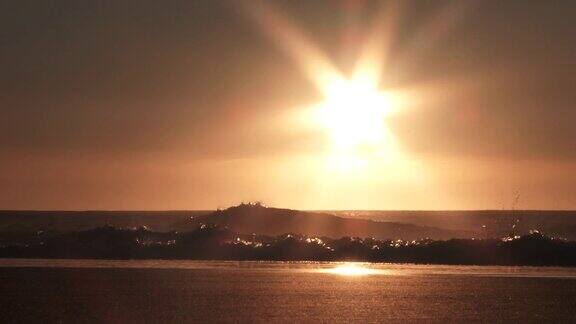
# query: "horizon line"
306,210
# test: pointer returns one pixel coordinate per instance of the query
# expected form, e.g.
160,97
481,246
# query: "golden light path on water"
354,269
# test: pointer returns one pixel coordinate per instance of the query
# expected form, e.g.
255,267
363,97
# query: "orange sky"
141,105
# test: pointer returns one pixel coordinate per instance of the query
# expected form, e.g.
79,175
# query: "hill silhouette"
255,218
252,218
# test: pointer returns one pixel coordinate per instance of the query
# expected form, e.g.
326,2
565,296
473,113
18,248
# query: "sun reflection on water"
353,269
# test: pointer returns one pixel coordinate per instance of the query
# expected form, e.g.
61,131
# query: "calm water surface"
191,291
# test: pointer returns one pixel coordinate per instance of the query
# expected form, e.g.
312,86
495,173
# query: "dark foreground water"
184,291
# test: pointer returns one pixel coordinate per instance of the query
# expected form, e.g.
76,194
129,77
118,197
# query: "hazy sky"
195,104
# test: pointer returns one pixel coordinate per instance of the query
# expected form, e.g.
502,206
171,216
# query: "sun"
354,112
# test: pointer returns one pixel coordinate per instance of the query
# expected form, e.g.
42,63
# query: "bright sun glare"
354,113
354,109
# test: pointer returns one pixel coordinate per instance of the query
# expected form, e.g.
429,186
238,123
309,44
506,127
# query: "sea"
166,291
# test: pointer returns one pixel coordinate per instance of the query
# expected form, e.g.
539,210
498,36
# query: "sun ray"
374,54
314,64
431,33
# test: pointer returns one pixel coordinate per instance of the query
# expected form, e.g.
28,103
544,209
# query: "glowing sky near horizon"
303,104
